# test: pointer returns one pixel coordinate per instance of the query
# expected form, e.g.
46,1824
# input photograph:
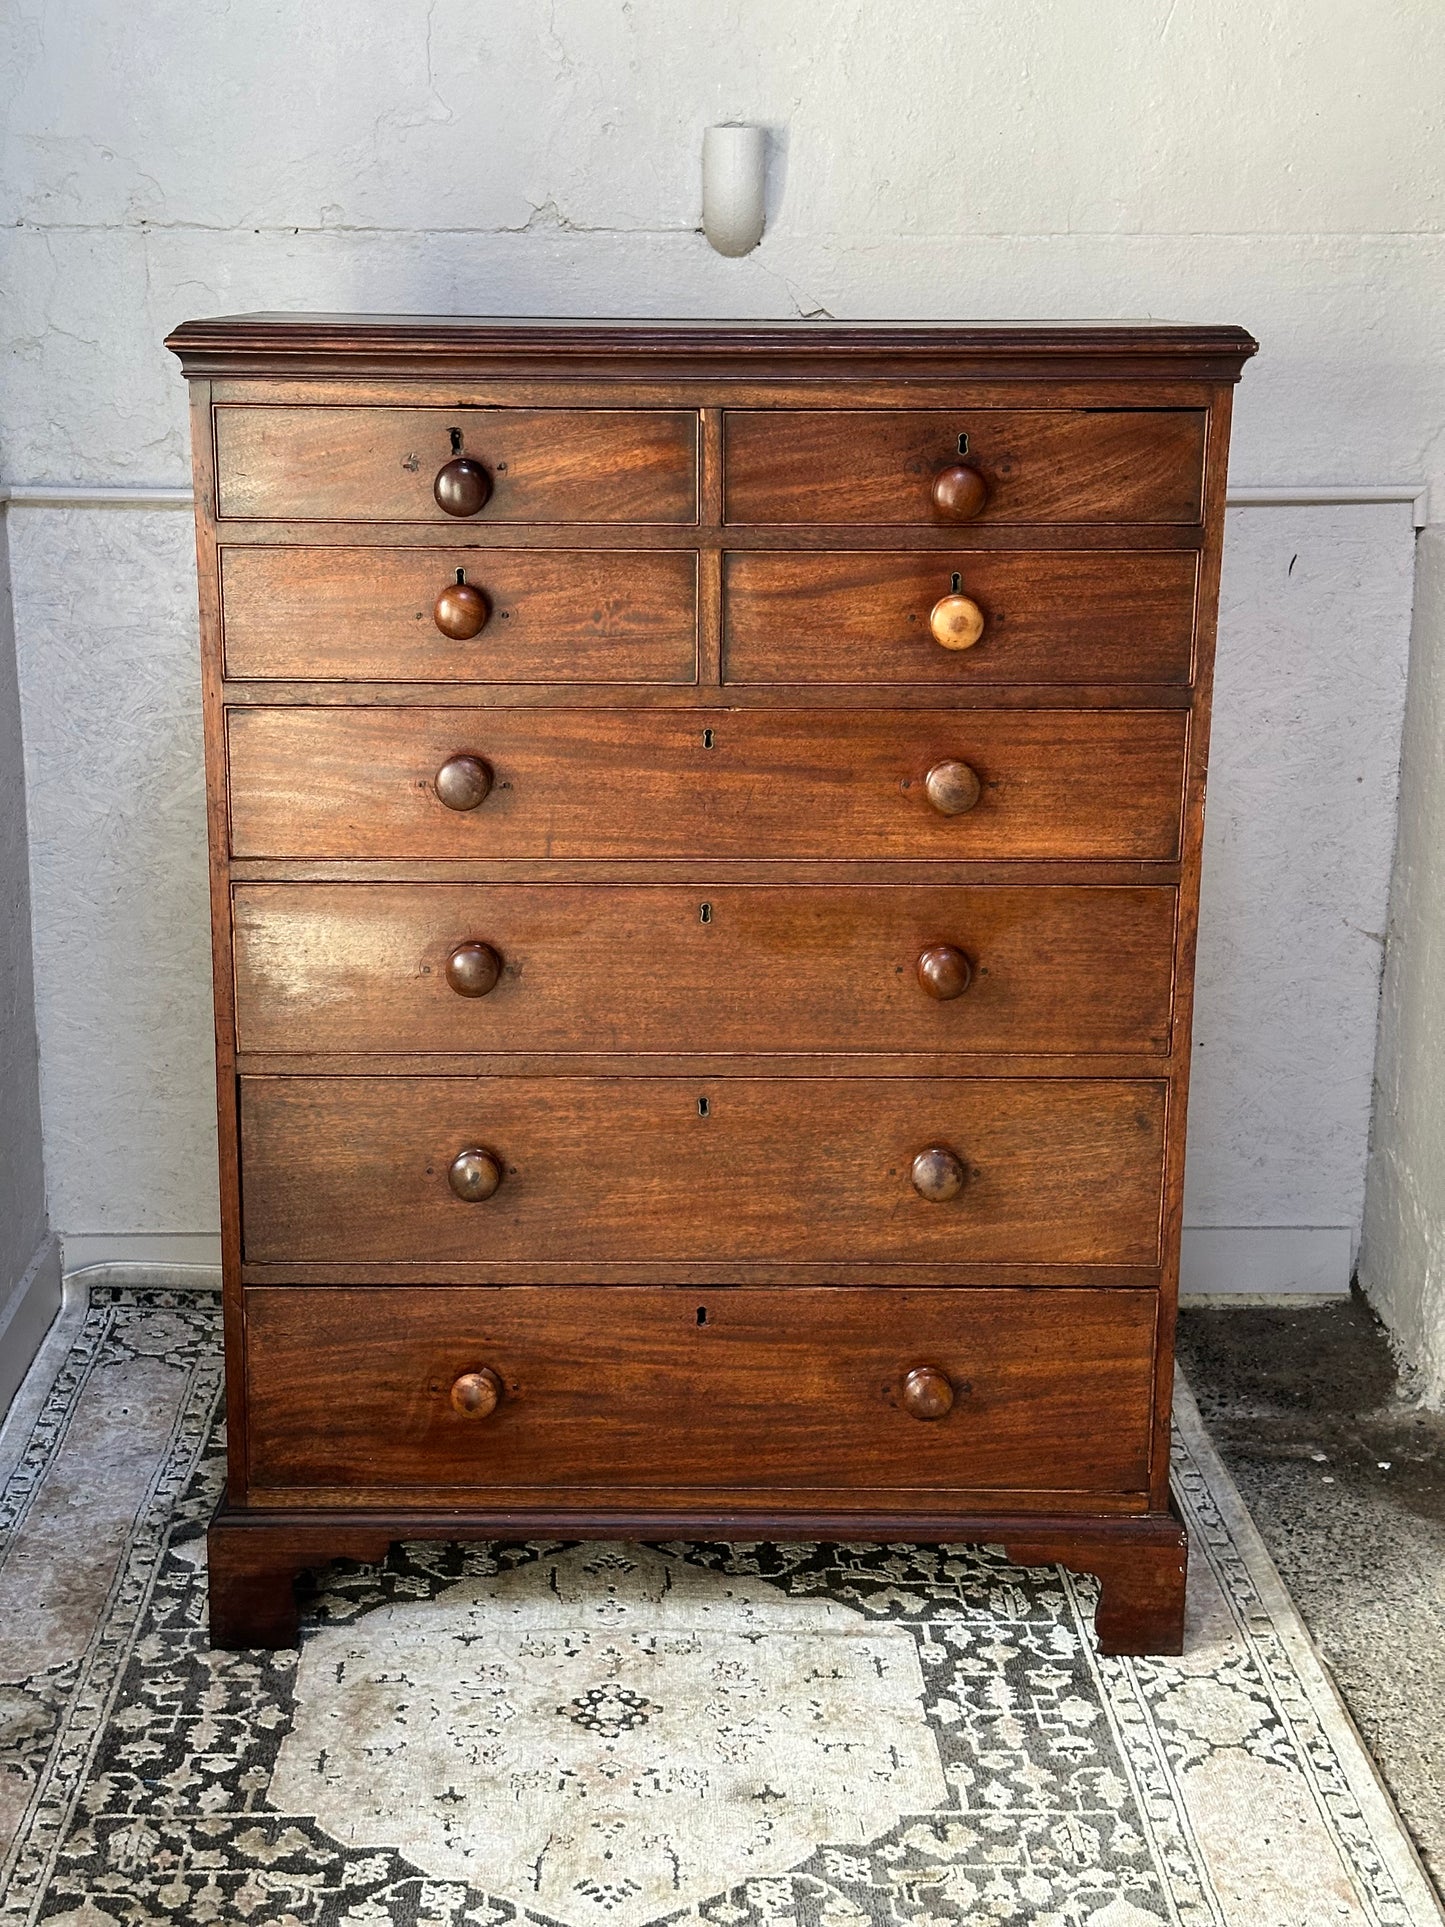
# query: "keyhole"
704,913
703,1107
963,444
456,441
708,739
702,1314
957,580
462,576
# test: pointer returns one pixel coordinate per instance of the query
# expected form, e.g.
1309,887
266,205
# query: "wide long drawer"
709,967
360,464
840,467
479,1394
459,615
334,782
1050,616
914,1171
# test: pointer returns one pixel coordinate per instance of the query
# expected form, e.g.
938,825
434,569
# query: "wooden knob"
463,782
944,972
952,787
474,1175
462,486
478,1394
959,492
955,621
927,1393
461,611
937,1174
473,969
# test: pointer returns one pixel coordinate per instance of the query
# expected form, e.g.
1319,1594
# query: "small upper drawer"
460,615
857,467
382,464
961,616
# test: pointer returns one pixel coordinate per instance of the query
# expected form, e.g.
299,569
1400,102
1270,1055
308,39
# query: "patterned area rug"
602,1736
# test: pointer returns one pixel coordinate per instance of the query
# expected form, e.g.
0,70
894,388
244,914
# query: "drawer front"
380,464
394,615
639,1169
1047,617
370,967
795,783
860,466
799,1392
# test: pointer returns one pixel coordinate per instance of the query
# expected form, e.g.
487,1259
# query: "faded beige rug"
604,1736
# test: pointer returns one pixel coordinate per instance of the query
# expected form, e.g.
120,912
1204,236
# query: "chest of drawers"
705,828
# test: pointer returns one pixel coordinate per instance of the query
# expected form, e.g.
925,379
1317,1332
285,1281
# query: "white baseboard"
85,1248
1267,1261
28,1317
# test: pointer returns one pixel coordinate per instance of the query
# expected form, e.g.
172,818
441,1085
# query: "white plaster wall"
1402,1261
1202,159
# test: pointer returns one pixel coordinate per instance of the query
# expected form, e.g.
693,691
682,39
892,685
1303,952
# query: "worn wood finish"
381,464
745,1169
799,1393
1090,487
593,783
369,615
833,468
357,967
1062,618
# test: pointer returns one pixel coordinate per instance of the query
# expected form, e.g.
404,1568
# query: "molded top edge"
229,342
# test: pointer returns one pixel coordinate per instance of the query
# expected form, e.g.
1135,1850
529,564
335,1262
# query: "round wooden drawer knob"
474,1175
955,622
944,972
473,969
959,492
462,486
937,1174
478,1394
927,1393
463,782
952,788
460,611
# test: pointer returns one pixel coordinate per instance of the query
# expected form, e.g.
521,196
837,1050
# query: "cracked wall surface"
1212,161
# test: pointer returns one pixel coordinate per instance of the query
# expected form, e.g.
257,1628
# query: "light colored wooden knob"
927,1393
937,1174
955,622
463,782
474,1175
460,611
952,788
473,969
944,972
478,1394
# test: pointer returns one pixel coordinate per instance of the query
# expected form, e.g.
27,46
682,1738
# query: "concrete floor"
1346,1482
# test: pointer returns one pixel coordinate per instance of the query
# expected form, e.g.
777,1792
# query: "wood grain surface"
672,968
788,783
723,1169
367,614
834,467
379,464
1060,617
734,1391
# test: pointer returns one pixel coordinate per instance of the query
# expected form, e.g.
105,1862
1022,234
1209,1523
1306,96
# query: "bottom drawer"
619,1395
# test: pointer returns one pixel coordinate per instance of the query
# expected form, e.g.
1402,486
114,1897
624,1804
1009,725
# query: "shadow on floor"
1346,1482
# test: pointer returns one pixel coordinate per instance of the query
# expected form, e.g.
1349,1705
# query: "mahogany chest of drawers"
705,828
